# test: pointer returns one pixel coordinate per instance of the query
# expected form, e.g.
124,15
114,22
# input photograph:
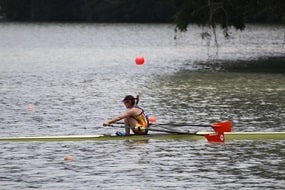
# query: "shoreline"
274,64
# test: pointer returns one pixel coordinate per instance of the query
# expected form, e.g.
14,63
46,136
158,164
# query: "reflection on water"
60,79
261,65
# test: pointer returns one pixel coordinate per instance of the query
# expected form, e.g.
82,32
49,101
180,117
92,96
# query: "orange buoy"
30,108
68,158
152,119
139,60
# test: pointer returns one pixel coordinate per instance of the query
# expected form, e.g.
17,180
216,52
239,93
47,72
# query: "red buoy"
139,60
152,119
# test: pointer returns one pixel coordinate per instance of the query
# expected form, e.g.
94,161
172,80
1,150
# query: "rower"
134,117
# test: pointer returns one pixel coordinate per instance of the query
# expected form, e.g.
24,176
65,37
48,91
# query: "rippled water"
138,165
59,79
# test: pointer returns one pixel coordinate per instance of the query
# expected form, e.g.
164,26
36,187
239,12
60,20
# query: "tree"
226,13
139,11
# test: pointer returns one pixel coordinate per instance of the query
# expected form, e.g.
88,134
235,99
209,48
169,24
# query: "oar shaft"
168,131
213,137
163,130
175,124
182,124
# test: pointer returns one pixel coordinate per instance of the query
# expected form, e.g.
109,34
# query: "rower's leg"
129,122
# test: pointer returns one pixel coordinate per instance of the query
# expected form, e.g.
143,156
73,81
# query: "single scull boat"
221,132
161,136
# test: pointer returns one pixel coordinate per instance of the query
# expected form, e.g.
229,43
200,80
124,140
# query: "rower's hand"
106,123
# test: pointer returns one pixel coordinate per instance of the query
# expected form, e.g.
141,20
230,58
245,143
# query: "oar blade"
215,137
223,126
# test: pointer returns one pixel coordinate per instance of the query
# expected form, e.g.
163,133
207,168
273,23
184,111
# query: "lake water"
67,79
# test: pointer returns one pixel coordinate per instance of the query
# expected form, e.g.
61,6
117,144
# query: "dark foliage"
87,10
202,12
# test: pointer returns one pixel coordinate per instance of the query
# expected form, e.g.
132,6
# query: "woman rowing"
134,117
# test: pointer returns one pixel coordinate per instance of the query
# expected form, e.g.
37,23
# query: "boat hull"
254,136
105,137
229,136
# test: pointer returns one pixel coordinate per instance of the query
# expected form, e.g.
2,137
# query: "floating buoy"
152,119
139,60
30,108
68,158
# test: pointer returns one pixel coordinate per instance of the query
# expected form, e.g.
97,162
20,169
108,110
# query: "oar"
172,131
180,124
158,130
217,124
175,124
222,126
211,137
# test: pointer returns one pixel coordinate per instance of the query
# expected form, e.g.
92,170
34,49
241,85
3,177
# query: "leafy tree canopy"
228,13
182,12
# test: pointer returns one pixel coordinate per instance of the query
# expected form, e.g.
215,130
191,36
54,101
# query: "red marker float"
139,60
68,158
152,119
30,108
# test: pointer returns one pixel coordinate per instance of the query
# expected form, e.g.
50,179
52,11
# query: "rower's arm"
126,114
